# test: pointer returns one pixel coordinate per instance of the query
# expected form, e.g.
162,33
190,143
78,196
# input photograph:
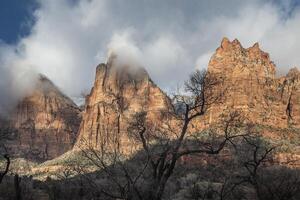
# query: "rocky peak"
117,76
47,87
118,93
226,45
44,123
235,60
46,97
293,73
130,83
249,79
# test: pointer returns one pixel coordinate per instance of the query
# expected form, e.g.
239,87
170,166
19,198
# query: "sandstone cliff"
118,93
121,91
250,83
43,125
252,87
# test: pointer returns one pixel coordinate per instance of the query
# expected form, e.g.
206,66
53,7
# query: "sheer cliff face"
249,81
251,86
44,124
290,94
118,93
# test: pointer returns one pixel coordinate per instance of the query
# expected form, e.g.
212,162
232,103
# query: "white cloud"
165,59
16,79
159,56
170,38
127,52
202,60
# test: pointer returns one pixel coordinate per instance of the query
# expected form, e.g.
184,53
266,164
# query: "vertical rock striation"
252,87
118,93
43,125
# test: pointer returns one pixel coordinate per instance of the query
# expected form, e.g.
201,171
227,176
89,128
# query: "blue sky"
66,39
15,19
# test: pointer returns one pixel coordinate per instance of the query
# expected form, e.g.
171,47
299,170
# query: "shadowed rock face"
43,125
251,86
118,93
290,93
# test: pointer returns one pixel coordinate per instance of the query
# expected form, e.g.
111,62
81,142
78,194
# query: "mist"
17,80
169,38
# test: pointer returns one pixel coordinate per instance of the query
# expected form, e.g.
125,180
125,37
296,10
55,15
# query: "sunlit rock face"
46,123
251,86
248,79
119,92
43,125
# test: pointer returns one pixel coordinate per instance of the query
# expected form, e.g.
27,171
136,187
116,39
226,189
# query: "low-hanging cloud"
169,38
159,56
16,80
122,46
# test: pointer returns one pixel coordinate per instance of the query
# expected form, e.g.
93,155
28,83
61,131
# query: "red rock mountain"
118,93
249,80
44,124
252,87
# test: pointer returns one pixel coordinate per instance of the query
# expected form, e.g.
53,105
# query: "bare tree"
251,154
256,170
118,178
203,91
256,155
162,147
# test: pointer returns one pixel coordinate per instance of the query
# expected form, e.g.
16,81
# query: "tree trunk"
17,181
6,168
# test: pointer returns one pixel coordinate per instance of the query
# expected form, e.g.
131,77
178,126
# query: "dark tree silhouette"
162,147
4,137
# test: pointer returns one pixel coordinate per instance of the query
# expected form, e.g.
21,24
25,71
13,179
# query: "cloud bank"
169,38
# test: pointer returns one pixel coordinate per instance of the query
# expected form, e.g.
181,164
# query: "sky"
66,39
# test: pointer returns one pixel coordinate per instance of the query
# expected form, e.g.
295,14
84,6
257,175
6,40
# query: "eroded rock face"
290,93
251,86
249,79
44,124
119,92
